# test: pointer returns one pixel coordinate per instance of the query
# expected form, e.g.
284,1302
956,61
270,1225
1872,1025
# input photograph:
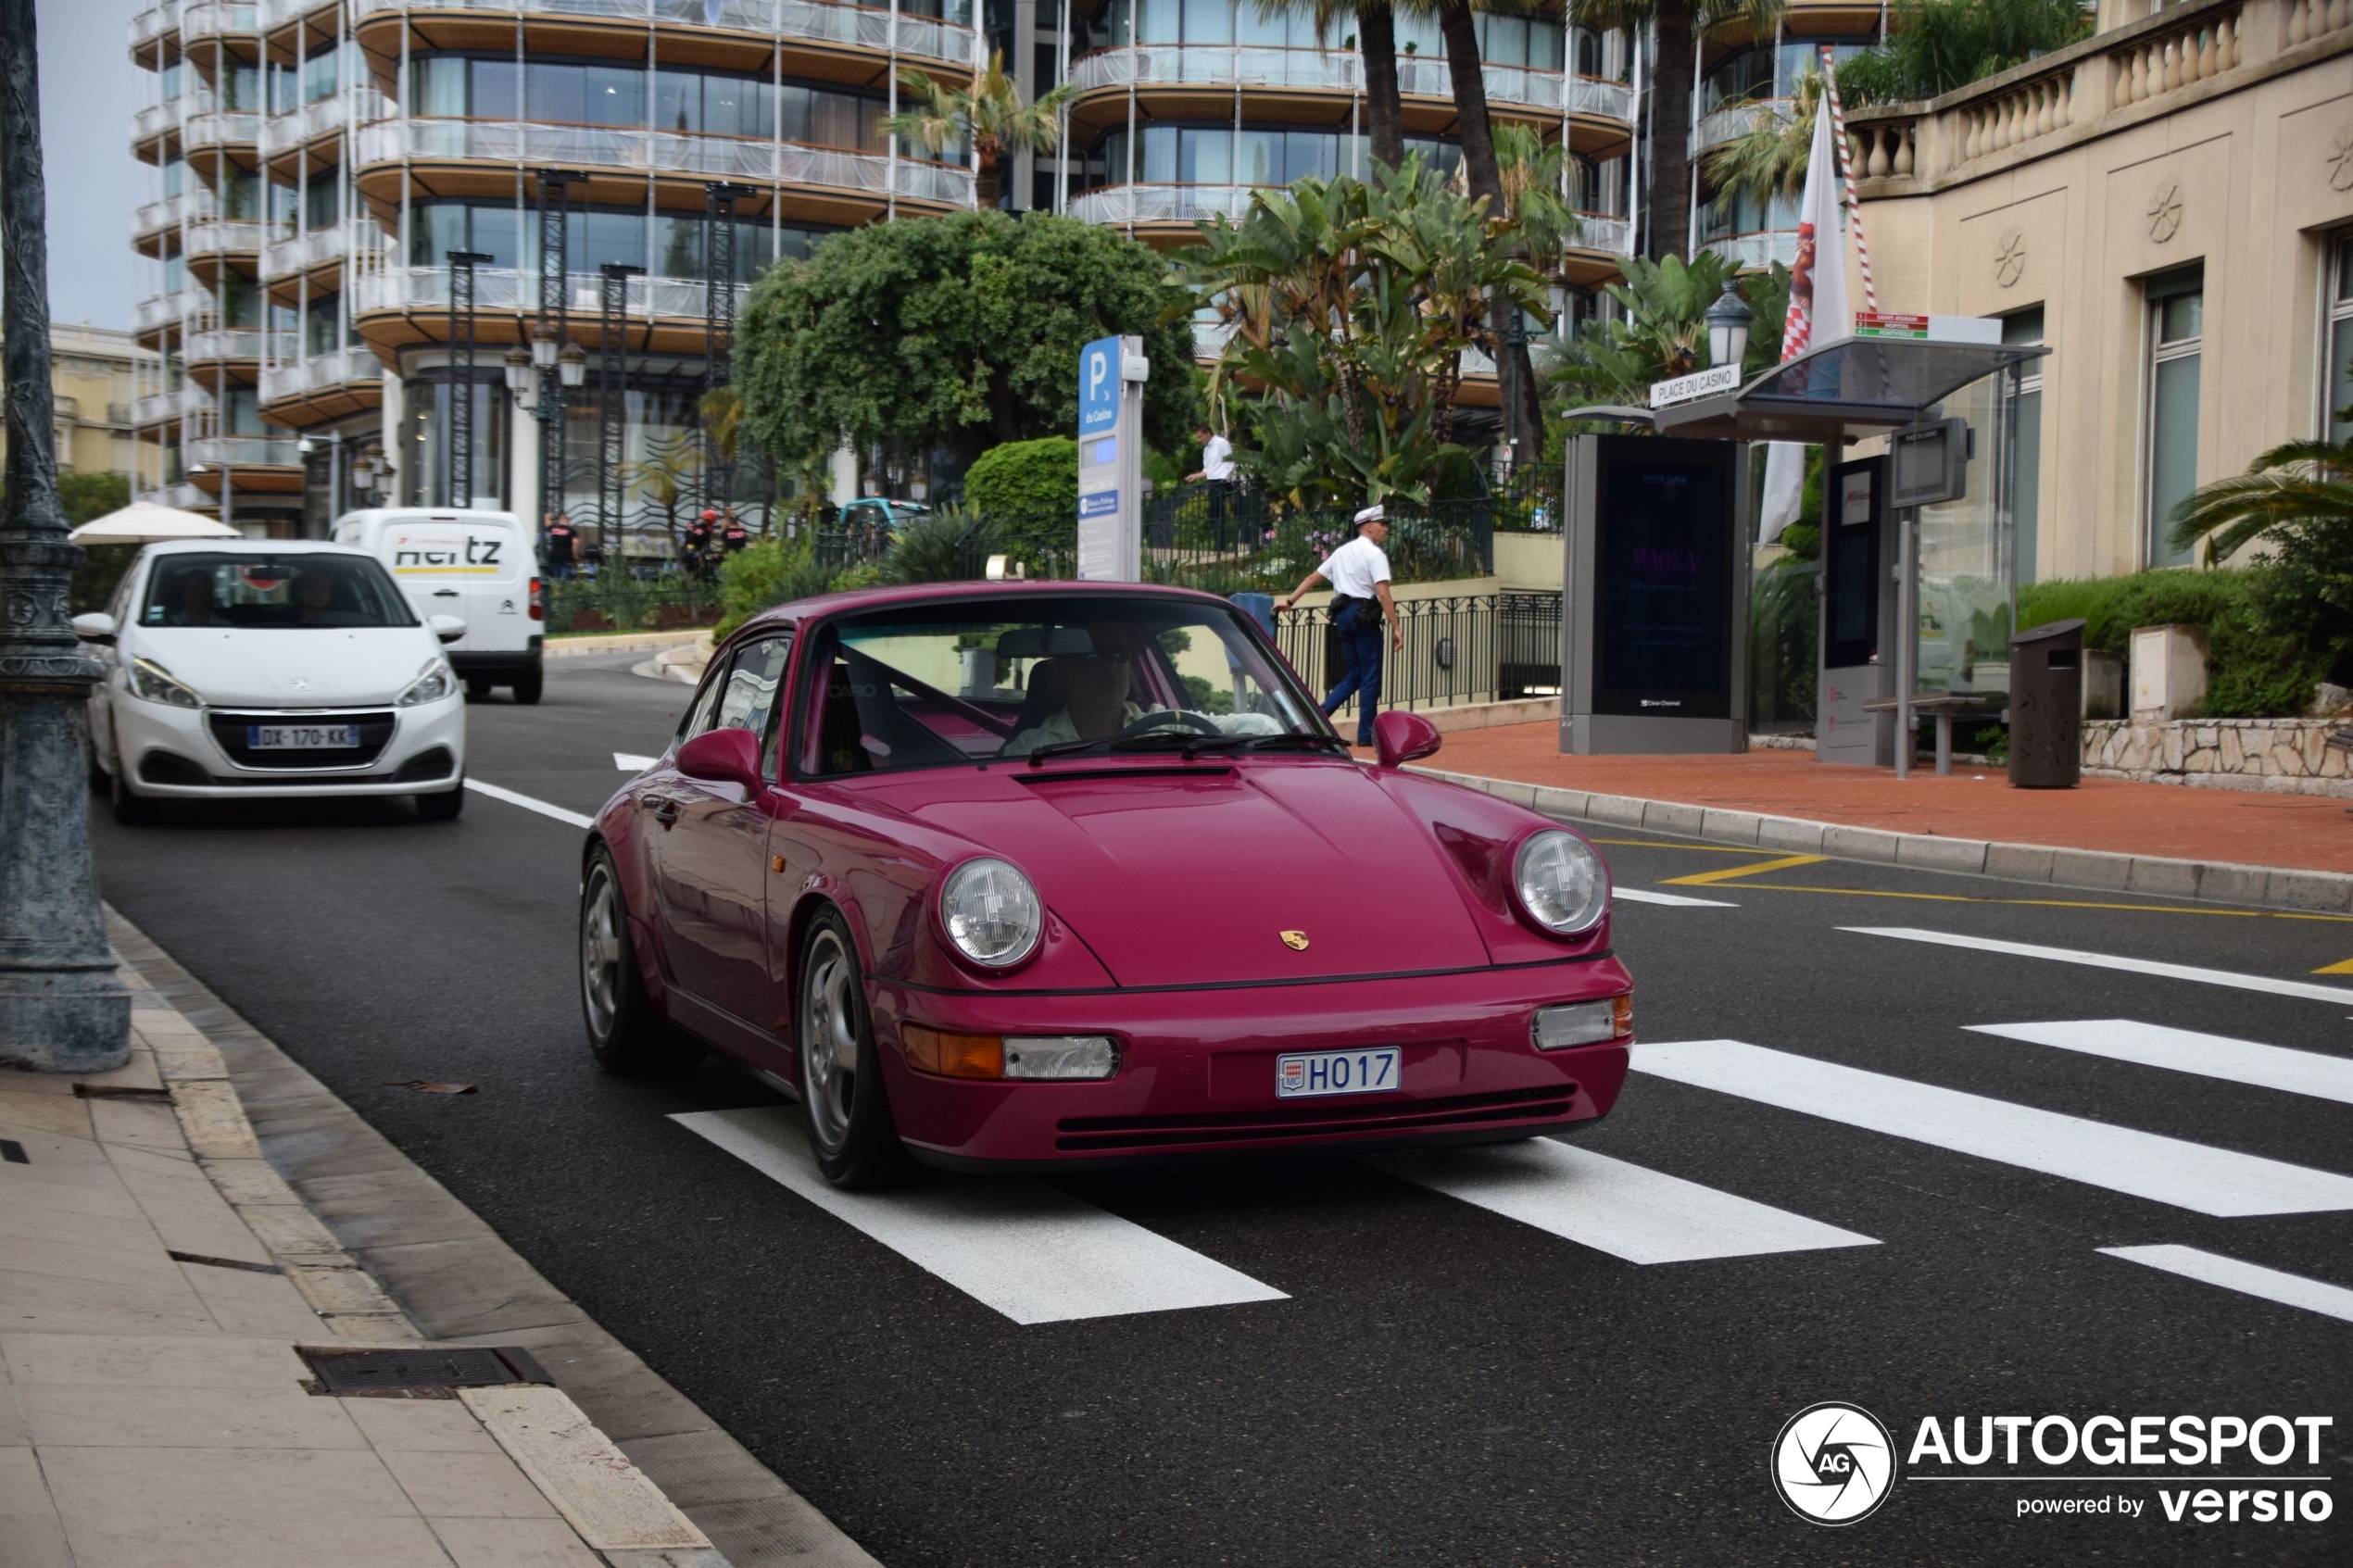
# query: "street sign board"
1699,383
1111,464
1928,329
1097,387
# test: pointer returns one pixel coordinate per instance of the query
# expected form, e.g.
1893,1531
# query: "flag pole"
1846,180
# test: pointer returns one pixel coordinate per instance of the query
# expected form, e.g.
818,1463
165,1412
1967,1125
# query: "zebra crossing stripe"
2263,982
1679,900
1021,1248
2186,1051
2248,1279
2164,1170
1626,1210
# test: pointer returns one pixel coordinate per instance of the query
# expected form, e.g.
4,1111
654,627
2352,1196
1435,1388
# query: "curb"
2272,887
616,642
607,1443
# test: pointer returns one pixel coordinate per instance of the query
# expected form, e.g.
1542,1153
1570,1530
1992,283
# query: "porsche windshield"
263,588
938,685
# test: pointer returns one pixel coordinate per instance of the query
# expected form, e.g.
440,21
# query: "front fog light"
1583,1023
1061,1055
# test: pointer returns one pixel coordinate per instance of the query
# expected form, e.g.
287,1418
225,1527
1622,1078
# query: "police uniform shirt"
735,537
1353,567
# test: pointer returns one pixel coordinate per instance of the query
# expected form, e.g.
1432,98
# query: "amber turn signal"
1622,1014
954,1056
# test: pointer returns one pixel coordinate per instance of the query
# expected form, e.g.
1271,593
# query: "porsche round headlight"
991,912
1561,883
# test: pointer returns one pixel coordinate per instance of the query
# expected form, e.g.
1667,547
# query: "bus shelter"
1919,586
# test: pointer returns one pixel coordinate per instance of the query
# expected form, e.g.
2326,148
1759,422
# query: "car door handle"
665,811
444,593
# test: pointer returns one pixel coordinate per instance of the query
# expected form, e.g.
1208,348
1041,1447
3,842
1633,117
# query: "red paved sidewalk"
2306,833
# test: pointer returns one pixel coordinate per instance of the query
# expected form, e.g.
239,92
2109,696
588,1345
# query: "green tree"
87,495
1934,46
1680,25
2296,501
987,114
1663,332
1769,158
956,332
1026,481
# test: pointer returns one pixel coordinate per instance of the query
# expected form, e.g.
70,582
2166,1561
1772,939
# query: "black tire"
443,805
99,783
626,1032
131,810
476,688
527,687
850,1129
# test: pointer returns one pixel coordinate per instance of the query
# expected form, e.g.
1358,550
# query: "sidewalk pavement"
156,1279
2283,850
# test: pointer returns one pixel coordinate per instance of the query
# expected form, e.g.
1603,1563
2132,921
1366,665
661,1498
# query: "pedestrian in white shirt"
1358,572
1217,471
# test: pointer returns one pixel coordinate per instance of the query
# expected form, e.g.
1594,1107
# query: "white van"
480,566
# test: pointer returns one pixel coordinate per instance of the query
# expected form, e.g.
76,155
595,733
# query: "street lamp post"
62,1007
459,469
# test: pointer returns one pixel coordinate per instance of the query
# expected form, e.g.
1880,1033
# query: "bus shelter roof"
1850,385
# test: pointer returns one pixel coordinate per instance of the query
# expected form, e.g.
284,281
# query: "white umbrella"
142,523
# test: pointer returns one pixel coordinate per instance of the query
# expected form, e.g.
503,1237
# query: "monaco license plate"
301,737
1300,1073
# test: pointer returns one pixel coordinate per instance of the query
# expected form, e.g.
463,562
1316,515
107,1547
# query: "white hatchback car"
238,669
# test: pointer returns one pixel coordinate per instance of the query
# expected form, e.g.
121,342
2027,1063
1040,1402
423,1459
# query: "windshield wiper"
1201,743
1153,741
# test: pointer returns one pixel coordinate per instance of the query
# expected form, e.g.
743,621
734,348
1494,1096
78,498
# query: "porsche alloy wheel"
850,1129
626,1032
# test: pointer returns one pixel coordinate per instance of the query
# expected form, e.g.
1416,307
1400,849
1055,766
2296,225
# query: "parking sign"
1099,387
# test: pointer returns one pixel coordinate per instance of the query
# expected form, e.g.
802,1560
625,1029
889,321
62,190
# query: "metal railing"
218,19
1733,121
220,128
1459,648
178,493
506,288
279,12
244,451
861,26
194,205
671,153
158,407
224,343
282,379
1757,251
154,22
162,309
218,235
323,117
1161,204
156,120
359,236
1340,71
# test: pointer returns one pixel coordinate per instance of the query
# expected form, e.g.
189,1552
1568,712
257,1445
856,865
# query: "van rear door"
474,567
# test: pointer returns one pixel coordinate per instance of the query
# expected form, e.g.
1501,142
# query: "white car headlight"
152,681
991,912
436,681
1561,883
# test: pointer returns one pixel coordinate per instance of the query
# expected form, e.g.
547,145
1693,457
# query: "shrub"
933,548
775,571
1026,485
2253,671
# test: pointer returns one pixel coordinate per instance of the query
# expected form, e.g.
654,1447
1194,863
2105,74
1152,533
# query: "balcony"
218,19
223,236
1757,251
195,203
159,407
1122,205
180,494
286,380
858,26
1342,71
215,344
300,253
219,128
354,105
506,291
242,452
159,311
149,26
156,120
1735,120
664,153
285,13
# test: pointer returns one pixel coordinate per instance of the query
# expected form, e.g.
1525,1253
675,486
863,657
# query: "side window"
697,717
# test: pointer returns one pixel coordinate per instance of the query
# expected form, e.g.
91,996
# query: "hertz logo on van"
477,557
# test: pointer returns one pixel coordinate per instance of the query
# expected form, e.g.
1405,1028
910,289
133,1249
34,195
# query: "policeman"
1358,572
734,535
558,544
697,542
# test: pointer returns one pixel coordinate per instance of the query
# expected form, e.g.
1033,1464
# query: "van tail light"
538,601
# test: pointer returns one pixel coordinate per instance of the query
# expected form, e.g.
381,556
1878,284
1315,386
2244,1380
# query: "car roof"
274,546
827,606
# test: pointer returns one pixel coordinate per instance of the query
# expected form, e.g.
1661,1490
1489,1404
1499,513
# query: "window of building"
2026,326
1218,154
170,78
2336,343
322,325
2176,339
175,177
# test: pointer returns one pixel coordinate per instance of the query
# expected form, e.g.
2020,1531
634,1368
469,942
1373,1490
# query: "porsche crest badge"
1295,940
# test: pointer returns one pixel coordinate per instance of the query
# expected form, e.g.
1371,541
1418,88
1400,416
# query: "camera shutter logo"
1833,1463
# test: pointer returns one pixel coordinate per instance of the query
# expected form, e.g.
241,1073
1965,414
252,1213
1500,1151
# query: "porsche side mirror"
449,628
1401,737
96,627
729,756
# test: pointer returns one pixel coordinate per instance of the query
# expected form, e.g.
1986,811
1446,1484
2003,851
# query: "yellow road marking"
1668,843
1728,872
2062,904
2345,968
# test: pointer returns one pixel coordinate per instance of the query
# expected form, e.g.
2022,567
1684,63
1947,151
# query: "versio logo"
1833,1463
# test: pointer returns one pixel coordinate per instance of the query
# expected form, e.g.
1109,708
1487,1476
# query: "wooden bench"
1943,705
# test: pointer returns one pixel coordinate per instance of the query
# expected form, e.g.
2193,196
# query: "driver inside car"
1096,688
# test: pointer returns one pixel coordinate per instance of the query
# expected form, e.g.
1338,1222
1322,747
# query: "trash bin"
2047,707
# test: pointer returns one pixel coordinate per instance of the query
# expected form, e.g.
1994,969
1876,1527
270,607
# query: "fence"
1459,648
630,605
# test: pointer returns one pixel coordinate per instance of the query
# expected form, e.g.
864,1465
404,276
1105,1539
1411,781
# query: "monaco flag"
1816,299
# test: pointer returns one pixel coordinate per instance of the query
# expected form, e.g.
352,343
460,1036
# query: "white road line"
2186,1051
1628,1212
1645,895
1021,1248
630,762
528,804
2304,988
2249,1279
2187,1175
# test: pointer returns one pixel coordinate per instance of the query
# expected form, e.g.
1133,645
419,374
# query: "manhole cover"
404,1371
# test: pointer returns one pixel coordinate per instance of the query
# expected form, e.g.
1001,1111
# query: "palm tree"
1768,158
1678,24
987,114
2301,486
1377,39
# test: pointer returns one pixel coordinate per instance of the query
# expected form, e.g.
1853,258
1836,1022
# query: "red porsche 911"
1030,876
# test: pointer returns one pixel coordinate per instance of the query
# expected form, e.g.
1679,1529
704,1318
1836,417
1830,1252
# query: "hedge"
2250,674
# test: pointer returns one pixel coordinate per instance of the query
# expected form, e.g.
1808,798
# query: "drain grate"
421,1372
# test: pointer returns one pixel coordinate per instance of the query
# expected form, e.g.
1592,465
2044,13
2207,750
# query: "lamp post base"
53,1020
